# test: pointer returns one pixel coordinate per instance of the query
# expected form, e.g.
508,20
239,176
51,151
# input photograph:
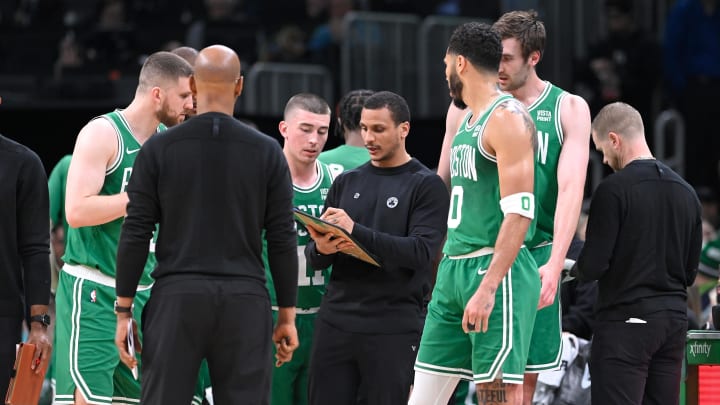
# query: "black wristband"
122,310
42,318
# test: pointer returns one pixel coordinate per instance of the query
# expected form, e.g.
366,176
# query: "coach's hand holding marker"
339,217
328,244
282,347
285,336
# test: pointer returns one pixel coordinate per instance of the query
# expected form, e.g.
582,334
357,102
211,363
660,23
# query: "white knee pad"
432,389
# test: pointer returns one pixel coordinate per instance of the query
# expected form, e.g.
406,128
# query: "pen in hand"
283,345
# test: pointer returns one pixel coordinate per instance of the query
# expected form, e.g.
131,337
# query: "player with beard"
562,121
88,368
189,54
478,325
563,127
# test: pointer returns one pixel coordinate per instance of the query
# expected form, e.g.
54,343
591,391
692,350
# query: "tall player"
305,126
483,306
563,132
88,368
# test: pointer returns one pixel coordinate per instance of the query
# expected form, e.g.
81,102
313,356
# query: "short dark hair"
478,43
162,67
307,102
526,28
397,105
349,109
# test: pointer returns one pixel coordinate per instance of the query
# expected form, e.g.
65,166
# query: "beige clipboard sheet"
322,226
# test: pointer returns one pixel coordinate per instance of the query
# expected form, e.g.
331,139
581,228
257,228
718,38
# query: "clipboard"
25,386
322,226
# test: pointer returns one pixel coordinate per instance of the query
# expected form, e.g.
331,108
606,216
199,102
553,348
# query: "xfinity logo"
700,348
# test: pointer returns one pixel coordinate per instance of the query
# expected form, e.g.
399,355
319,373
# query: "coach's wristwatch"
123,310
44,319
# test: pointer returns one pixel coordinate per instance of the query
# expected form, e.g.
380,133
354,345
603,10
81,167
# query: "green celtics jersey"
710,259
96,246
475,217
344,157
311,283
545,111
56,188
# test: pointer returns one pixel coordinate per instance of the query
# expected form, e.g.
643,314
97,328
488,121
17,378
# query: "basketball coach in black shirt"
643,246
370,320
213,184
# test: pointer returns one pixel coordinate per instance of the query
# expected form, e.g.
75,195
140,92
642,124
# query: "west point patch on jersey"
543,115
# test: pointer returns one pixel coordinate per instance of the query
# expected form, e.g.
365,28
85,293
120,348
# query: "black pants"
634,363
10,334
228,322
342,362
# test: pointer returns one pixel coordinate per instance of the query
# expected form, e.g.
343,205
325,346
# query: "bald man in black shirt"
213,184
643,246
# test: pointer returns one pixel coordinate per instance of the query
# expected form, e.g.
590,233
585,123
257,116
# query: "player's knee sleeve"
431,389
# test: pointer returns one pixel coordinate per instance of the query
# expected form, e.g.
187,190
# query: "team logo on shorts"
93,296
392,202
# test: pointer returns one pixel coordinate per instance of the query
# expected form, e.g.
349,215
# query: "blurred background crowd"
63,61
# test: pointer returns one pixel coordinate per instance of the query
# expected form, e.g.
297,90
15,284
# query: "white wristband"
519,203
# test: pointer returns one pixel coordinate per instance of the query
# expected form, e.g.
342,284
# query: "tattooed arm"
509,136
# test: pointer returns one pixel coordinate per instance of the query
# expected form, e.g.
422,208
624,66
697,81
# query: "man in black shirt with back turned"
213,184
370,320
24,250
642,245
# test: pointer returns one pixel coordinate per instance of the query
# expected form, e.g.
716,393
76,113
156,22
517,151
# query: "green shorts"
202,385
546,342
501,352
86,356
290,381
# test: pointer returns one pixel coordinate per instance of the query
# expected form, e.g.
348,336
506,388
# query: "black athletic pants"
637,363
10,334
342,362
228,322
